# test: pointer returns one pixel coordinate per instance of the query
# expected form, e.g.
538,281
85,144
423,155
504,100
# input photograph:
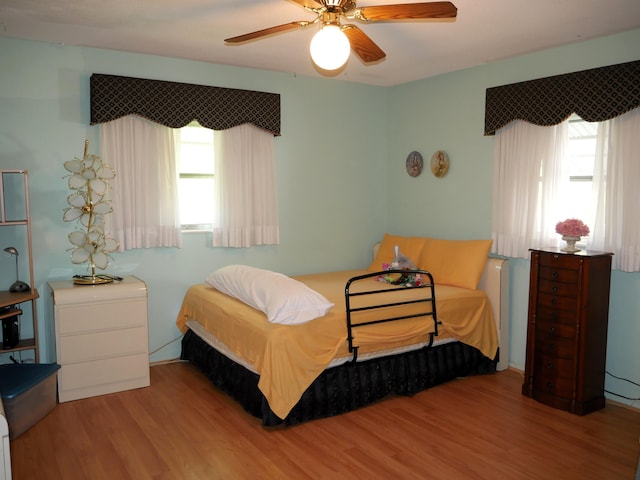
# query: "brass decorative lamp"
18,286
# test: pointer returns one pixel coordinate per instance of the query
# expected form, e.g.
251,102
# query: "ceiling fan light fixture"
330,47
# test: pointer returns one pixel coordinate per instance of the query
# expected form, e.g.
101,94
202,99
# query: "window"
580,166
196,178
538,171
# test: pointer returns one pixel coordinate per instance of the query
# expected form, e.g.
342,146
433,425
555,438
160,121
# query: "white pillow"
283,299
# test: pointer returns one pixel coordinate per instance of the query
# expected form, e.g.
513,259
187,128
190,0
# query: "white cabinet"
102,340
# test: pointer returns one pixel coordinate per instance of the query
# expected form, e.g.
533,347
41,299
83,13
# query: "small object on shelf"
17,286
10,326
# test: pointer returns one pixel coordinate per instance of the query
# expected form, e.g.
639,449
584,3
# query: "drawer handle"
552,329
554,316
552,347
550,385
550,365
554,301
554,274
554,289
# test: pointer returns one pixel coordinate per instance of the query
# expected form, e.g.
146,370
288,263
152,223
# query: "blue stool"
28,394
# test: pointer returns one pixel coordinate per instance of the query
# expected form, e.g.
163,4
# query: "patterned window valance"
596,95
177,104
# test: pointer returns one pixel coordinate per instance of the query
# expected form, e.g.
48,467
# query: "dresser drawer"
549,329
558,288
556,274
553,346
94,346
556,385
86,318
556,260
557,301
109,375
556,315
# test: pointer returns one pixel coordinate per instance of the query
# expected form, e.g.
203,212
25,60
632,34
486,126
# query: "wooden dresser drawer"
562,275
557,347
557,301
559,386
549,330
559,260
558,288
556,315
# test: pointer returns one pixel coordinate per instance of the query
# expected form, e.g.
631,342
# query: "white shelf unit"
15,231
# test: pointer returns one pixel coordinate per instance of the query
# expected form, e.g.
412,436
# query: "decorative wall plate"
414,164
440,163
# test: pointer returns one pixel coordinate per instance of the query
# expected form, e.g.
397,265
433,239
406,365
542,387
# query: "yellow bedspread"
288,358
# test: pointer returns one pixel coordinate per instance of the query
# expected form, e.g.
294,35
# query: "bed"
287,373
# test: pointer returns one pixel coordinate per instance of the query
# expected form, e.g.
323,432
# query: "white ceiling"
484,31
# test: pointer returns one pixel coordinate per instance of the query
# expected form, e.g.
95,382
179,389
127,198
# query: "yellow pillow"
455,262
410,247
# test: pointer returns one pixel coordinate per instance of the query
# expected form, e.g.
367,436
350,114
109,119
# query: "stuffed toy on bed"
401,262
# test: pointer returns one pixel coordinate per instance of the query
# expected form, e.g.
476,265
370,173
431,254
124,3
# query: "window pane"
196,200
196,181
582,147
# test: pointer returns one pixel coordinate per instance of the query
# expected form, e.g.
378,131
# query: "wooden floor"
183,428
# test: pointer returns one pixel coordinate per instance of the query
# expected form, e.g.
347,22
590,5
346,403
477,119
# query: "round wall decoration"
414,164
440,163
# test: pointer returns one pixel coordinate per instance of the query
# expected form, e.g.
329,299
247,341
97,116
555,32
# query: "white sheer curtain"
144,190
245,188
616,191
524,207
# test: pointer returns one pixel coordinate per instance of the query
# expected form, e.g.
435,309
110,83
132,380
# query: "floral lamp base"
571,243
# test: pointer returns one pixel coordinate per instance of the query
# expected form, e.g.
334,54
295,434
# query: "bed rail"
410,275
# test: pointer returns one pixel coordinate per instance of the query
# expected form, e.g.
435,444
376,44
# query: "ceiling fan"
328,16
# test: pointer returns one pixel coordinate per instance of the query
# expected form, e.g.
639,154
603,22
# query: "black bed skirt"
343,388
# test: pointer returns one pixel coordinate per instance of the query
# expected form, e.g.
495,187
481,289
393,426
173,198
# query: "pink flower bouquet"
572,227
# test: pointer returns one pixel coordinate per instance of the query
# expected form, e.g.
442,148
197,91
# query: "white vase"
571,243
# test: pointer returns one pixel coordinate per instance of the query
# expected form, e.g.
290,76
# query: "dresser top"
581,253
66,292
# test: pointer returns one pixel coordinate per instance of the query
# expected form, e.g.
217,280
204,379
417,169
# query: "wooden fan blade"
362,45
311,4
267,31
408,11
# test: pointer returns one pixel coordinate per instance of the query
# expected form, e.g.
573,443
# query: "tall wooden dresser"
567,329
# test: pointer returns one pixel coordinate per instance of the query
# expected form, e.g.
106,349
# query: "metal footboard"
410,275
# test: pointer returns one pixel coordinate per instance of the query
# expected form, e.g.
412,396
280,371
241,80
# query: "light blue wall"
331,168
340,171
447,113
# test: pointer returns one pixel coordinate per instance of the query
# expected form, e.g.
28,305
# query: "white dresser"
102,340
